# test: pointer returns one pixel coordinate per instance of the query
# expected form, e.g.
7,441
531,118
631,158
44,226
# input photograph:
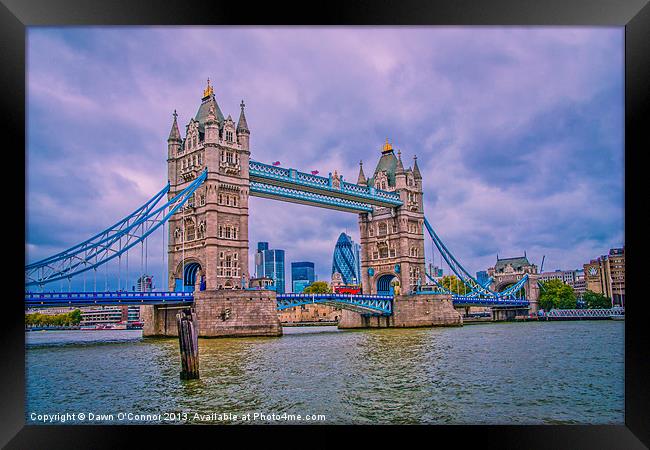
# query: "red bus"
347,289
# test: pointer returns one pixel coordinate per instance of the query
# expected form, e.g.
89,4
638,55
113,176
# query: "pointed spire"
208,91
241,123
174,134
362,177
400,166
387,147
416,170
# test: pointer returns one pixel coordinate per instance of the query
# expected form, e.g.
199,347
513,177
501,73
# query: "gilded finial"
175,115
242,104
387,146
208,90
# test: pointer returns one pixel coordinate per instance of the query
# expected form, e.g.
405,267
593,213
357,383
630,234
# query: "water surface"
507,373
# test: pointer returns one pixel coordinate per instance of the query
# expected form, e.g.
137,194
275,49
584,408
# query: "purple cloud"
518,131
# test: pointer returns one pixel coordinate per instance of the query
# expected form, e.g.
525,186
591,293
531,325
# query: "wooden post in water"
188,339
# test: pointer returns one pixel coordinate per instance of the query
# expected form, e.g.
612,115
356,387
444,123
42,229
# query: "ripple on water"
533,373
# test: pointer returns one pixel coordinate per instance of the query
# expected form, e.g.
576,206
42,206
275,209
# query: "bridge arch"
187,273
384,283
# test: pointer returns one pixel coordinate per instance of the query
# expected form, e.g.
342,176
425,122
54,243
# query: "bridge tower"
392,239
508,271
208,238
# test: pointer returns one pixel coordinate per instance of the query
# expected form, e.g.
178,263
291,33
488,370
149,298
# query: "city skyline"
518,131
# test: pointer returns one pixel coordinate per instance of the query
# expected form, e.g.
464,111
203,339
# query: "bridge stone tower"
392,239
508,271
208,237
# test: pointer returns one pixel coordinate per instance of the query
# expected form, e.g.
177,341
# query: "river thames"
504,373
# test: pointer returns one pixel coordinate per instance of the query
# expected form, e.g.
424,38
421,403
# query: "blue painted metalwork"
304,182
455,266
463,300
478,297
584,313
260,189
116,228
380,304
112,242
189,277
49,299
383,284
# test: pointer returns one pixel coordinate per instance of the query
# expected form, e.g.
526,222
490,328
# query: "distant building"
144,283
302,275
346,260
310,313
565,276
606,275
508,271
435,271
482,277
270,263
104,315
261,283
579,284
573,278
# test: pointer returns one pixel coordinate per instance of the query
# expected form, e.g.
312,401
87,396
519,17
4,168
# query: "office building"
269,263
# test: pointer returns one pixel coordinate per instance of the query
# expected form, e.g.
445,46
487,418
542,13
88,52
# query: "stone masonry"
408,311
220,313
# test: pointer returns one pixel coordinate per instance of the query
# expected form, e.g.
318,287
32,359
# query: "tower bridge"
203,214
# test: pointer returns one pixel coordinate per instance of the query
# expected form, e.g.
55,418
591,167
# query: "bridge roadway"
376,304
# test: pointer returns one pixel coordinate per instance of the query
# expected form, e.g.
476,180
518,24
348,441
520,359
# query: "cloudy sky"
518,130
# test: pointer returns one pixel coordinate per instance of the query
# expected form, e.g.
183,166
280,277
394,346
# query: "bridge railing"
604,312
293,176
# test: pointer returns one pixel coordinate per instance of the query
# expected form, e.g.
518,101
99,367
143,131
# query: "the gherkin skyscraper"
346,260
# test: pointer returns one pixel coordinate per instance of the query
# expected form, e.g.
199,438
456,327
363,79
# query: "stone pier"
408,311
220,313
504,314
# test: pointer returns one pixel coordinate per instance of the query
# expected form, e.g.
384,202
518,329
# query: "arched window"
383,229
371,230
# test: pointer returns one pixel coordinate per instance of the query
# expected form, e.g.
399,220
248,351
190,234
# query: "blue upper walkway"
327,192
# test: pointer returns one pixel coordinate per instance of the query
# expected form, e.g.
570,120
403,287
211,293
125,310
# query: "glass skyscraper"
270,264
346,260
302,275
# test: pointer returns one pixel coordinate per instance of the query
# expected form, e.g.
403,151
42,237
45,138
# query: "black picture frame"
634,15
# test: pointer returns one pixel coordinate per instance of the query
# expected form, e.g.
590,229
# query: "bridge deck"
377,303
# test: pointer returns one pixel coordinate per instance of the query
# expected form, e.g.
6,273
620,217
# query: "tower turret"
211,127
416,170
400,173
174,140
243,133
362,177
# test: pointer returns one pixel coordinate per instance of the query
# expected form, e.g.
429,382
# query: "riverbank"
310,324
